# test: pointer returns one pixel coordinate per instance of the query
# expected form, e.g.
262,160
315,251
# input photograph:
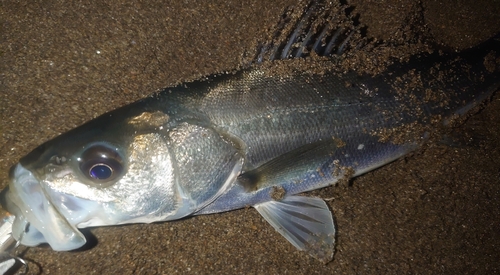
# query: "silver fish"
244,139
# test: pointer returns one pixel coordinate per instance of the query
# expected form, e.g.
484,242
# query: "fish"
245,139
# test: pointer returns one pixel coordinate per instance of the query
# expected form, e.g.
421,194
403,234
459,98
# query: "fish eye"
101,171
101,164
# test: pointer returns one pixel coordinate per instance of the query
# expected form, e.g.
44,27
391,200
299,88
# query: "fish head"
108,171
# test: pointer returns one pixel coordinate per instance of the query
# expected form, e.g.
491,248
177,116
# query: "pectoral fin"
304,221
290,166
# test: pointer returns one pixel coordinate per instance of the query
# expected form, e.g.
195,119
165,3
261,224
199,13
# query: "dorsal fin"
316,27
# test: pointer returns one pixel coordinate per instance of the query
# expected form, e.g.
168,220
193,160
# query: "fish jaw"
38,220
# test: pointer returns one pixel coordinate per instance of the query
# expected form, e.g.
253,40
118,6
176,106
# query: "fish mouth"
37,220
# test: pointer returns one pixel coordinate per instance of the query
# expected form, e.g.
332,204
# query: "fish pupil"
100,171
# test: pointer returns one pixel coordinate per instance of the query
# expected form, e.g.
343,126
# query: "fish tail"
448,85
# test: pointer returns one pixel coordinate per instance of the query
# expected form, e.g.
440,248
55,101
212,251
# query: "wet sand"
436,211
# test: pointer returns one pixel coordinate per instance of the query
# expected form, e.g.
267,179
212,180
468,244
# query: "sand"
436,211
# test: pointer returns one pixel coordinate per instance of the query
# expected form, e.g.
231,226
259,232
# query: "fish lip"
37,219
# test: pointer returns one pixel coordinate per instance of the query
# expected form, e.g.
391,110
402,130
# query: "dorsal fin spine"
312,31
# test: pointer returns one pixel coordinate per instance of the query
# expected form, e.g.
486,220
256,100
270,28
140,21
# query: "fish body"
236,140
